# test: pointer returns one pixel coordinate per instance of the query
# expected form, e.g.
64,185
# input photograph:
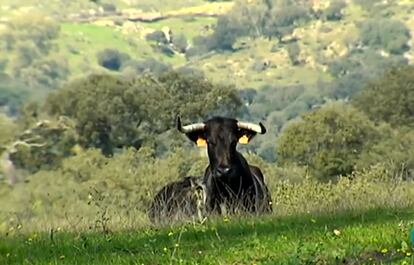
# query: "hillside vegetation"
89,96
317,50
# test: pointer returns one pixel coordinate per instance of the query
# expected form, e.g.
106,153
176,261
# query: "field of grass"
365,219
80,43
376,236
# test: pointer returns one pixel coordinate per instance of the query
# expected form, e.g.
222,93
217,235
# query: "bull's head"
221,136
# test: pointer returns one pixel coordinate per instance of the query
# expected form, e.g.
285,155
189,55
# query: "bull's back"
176,199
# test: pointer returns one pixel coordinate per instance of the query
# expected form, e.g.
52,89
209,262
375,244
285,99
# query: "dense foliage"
387,34
27,47
390,98
115,112
93,153
329,140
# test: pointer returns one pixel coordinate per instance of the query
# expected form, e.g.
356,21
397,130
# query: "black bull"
228,180
178,200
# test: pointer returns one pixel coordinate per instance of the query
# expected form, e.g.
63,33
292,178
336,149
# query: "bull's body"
229,179
179,200
246,191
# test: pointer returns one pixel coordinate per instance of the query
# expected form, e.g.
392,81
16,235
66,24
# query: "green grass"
79,43
373,237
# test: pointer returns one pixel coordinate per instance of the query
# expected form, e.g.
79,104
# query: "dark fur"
178,200
229,179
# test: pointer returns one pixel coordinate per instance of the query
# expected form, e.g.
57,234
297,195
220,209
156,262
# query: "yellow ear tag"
244,139
201,142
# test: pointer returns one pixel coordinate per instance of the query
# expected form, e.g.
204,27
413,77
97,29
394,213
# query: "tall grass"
92,192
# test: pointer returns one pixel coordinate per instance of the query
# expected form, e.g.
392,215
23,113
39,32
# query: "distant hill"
90,26
317,54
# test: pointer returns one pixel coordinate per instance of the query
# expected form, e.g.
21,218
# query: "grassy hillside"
372,237
320,41
88,208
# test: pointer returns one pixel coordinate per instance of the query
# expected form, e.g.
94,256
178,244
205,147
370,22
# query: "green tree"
225,34
284,17
113,111
329,140
36,28
388,34
8,131
27,44
157,36
334,11
395,151
180,43
354,70
12,94
293,50
44,73
43,145
270,98
389,98
251,15
112,59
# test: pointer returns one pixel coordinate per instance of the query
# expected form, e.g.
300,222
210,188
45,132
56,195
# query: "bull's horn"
253,127
189,128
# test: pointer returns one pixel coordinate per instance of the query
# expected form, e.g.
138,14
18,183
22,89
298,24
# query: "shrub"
329,140
197,49
389,98
293,50
224,35
112,59
8,130
165,49
148,65
394,152
12,94
388,34
180,43
157,36
334,11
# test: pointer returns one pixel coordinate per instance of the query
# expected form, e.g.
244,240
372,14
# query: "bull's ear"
244,139
245,136
201,142
195,132
248,130
198,138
